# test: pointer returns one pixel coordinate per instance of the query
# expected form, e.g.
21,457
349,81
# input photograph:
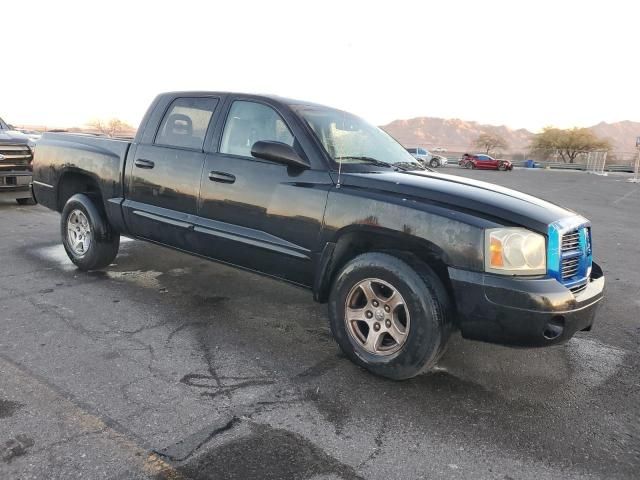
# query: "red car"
484,162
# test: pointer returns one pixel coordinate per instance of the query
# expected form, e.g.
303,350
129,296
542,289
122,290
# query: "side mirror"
278,152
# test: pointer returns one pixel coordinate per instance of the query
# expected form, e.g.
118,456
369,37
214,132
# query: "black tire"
469,165
104,241
25,201
502,167
434,163
426,300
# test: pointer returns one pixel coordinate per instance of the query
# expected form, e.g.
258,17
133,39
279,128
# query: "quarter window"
185,123
250,122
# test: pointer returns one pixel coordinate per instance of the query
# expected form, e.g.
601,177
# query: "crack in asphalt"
186,447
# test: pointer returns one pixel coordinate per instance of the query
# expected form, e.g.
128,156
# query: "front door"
164,177
486,162
259,214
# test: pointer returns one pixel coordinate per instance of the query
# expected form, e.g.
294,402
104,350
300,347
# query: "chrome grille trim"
15,156
570,242
19,148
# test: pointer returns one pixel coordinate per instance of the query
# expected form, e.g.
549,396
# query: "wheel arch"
355,240
72,182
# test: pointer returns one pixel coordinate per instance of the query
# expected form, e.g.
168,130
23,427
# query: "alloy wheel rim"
78,233
376,317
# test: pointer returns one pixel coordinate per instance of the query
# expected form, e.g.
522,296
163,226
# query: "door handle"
142,163
221,177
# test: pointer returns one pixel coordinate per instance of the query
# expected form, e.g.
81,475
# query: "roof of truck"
278,98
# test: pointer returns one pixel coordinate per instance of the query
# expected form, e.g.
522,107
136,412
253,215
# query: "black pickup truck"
319,198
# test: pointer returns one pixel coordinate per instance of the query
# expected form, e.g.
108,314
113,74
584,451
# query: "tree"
110,127
567,143
489,142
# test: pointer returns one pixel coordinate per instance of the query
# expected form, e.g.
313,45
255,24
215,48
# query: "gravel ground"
168,366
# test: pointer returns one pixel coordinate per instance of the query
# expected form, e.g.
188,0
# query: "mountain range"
459,135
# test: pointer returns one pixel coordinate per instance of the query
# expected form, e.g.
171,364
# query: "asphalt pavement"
169,366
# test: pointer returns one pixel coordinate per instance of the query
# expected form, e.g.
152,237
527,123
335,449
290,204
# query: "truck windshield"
3,126
349,139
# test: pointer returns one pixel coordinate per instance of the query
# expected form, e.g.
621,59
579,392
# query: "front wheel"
502,167
87,237
388,317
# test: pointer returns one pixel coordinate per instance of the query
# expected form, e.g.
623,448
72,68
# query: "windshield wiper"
404,166
369,160
408,166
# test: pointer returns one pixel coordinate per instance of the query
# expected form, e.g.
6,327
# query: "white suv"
427,158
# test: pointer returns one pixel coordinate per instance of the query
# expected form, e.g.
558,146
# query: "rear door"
255,213
164,174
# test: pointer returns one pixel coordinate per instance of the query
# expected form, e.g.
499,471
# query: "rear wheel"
387,317
434,163
87,237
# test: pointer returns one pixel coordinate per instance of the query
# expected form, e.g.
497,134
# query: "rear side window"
411,150
185,123
249,122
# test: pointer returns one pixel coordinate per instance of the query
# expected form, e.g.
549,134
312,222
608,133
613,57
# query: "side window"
185,123
249,122
412,150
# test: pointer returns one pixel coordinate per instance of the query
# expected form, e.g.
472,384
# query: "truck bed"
63,154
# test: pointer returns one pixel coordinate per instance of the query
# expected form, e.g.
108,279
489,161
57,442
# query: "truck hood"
503,204
13,137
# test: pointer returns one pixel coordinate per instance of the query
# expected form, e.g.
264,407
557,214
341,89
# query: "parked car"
16,155
441,160
484,162
427,158
440,150
322,199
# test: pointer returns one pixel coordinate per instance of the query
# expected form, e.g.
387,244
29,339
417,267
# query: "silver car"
427,158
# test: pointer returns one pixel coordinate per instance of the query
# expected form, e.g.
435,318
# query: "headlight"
515,251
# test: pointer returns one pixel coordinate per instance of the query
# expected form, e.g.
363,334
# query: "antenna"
340,156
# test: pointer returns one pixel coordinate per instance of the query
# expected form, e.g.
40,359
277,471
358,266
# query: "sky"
525,64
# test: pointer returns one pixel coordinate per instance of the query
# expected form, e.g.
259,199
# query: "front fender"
456,235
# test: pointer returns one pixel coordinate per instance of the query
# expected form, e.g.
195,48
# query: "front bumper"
523,312
15,185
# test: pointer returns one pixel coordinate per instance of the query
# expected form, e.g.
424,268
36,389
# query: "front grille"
569,257
570,264
15,157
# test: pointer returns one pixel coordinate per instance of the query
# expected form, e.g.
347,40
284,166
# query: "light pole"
636,169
